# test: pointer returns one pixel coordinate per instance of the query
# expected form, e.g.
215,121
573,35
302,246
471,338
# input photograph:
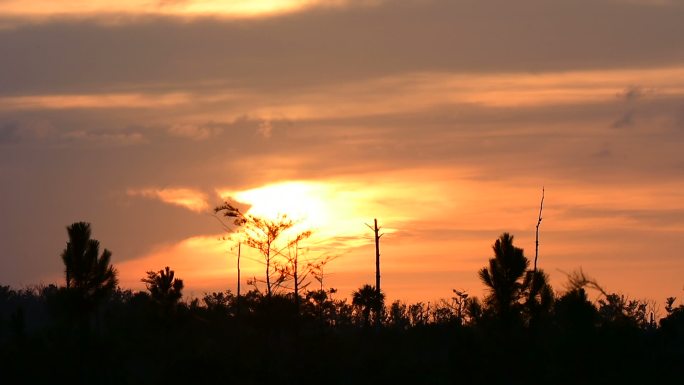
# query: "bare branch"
536,244
578,279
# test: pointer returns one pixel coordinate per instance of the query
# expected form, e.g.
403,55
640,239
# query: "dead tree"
377,236
536,242
228,229
376,231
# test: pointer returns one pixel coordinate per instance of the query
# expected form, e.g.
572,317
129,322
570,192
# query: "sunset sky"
442,118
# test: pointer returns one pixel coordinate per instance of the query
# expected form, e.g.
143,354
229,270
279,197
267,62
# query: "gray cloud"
632,93
324,46
626,120
16,130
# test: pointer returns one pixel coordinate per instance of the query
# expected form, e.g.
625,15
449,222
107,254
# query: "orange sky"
443,119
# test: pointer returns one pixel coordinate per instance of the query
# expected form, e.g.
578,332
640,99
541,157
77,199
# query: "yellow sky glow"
414,207
331,210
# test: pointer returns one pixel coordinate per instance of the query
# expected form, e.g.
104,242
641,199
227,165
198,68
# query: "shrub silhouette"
163,287
368,302
329,341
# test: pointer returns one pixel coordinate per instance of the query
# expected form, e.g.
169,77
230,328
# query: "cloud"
679,117
108,137
194,132
630,96
190,199
632,93
626,120
39,10
27,129
265,129
318,47
92,101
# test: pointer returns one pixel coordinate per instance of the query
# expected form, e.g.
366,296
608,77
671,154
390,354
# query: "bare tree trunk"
268,270
268,276
377,256
376,231
536,243
296,279
238,277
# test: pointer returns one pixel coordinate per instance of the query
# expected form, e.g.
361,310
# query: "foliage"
368,304
327,340
617,309
89,274
515,291
574,312
262,235
163,287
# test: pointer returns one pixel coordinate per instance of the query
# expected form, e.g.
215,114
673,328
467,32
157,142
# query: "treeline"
89,331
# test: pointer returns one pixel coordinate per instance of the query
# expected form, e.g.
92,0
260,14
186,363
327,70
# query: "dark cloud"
333,46
9,132
632,93
626,120
679,118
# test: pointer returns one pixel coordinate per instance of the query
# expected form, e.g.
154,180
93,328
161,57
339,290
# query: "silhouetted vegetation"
90,332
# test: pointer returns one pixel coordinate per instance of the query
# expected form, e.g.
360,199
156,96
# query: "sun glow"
301,201
337,211
333,212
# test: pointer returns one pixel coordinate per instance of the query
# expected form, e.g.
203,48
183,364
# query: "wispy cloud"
405,93
107,137
30,129
92,101
194,131
184,197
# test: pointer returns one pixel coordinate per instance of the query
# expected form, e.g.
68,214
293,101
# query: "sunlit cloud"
92,101
184,197
420,92
405,93
186,8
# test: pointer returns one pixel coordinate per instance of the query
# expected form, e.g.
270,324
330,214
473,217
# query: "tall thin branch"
239,255
377,236
536,243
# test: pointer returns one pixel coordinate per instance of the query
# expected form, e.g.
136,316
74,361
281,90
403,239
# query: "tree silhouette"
262,234
297,266
538,295
369,302
89,274
163,287
504,277
574,312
